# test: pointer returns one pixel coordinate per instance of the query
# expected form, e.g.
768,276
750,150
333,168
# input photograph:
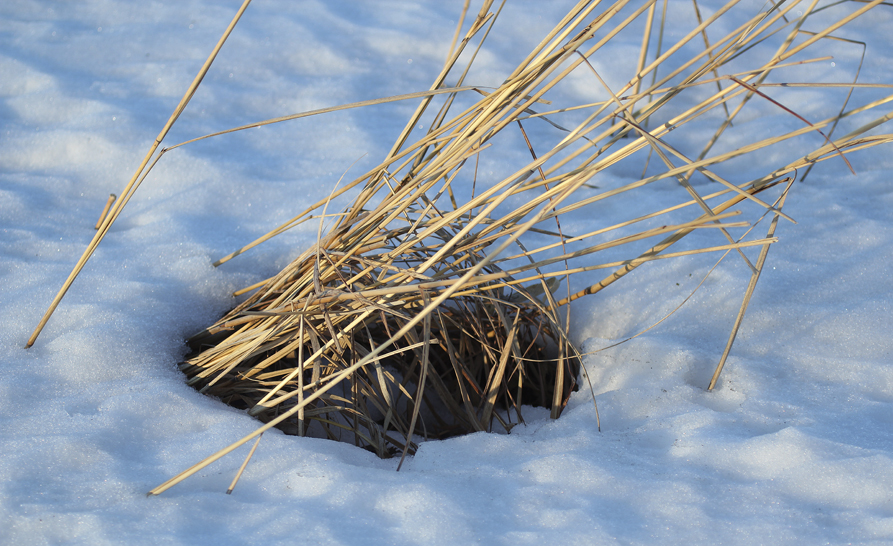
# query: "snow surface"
795,446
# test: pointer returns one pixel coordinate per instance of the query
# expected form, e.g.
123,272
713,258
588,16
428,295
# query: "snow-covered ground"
795,446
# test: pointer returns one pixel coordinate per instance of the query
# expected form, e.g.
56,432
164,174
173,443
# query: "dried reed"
431,308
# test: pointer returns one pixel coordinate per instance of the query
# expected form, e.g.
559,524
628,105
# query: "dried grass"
430,307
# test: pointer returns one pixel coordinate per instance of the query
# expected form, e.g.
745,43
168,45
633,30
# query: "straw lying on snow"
430,307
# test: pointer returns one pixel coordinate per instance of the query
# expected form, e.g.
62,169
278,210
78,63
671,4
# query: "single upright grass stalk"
138,176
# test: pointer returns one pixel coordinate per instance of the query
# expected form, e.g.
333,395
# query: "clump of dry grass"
300,351
431,307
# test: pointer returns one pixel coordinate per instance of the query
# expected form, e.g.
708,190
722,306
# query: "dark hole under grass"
475,377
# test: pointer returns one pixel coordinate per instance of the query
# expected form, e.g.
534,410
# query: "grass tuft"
437,302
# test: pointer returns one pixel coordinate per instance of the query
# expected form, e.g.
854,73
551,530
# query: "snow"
795,446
